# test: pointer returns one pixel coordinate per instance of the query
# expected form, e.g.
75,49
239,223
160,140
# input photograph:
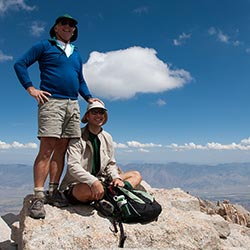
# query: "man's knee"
133,177
137,175
46,147
45,153
61,146
82,192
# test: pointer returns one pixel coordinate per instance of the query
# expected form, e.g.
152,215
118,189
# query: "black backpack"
128,206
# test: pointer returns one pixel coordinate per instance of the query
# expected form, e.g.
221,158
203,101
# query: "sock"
39,192
53,186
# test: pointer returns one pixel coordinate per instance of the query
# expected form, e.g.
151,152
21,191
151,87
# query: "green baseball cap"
59,19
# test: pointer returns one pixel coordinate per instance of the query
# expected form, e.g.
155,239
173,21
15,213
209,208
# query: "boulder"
184,224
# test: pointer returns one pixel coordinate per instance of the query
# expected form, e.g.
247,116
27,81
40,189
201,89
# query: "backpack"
124,205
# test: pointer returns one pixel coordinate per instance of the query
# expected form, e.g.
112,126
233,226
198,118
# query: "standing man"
91,158
61,76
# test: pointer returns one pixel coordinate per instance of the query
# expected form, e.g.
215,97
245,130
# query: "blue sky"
174,76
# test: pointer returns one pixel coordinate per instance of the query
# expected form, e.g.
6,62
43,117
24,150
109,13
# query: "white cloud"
17,145
186,146
245,141
141,10
136,144
120,145
236,43
248,50
212,152
143,150
122,74
37,28
6,5
181,39
161,102
243,145
4,58
212,31
222,37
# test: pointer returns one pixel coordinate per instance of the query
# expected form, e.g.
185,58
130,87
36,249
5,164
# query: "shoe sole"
37,218
56,204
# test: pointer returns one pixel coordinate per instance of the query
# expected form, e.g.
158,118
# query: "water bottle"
122,204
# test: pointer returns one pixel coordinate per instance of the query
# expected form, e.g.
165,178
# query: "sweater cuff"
27,85
87,97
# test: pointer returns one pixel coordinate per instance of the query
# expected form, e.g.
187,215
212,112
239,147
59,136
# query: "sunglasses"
97,111
70,23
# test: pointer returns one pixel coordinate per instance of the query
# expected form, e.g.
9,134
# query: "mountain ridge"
223,181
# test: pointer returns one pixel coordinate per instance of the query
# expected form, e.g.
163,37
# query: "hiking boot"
36,209
56,198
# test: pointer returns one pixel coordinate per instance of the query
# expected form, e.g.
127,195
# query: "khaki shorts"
59,118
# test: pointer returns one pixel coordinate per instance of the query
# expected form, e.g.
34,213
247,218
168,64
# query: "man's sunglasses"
70,23
97,111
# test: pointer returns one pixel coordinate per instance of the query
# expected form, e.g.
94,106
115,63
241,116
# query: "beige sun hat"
94,105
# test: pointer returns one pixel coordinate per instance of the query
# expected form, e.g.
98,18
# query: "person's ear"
55,28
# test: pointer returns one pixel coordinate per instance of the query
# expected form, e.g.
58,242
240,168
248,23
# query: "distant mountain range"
224,181
220,182
16,181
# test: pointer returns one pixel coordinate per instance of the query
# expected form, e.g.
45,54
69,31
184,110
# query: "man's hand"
117,182
97,190
91,100
40,95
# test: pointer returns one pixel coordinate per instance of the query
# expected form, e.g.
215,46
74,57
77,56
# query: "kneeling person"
91,158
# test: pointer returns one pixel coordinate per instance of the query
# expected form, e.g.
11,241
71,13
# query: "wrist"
30,89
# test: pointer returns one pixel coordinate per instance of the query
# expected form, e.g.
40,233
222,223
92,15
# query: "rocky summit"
186,223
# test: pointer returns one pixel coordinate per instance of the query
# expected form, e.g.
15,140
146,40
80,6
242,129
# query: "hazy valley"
224,181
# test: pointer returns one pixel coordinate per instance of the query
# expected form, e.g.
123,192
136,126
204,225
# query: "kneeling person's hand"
97,190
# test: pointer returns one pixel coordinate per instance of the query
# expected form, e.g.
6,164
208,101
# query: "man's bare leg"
57,161
41,170
133,177
41,165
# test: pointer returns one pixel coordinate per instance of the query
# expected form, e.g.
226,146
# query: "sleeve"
83,89
77,167
25,61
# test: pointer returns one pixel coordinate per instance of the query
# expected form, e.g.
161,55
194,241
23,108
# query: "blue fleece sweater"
60,75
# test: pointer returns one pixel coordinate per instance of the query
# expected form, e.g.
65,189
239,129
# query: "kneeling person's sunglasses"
97,111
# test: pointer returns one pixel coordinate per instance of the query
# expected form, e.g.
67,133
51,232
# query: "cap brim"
60,18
